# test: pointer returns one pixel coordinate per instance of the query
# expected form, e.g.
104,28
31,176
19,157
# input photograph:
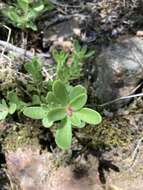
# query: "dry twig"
21,52
121,98
135,153
8,38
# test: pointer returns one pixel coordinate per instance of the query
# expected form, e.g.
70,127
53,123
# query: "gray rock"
120,70
63,30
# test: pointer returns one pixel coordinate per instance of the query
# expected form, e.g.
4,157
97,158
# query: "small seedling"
23,13
69,65
64,104
56,103
34,68
14,99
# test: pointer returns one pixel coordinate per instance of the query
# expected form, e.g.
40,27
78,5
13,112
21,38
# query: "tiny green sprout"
67,106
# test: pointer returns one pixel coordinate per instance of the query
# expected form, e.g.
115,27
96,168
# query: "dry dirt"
31,171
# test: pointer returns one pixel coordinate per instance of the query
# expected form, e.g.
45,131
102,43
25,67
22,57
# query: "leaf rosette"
67,106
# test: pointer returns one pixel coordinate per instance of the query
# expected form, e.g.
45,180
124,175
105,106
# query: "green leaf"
23,4
46,123
31,16
89,54
36,100
81,125
33,27
3,115
63,135
31,87
60,58
25,1
12,108
56,114
60,92
4,103
51,99
13,16
48,6
43,99
3,111
35,69
35,112
76,91
89,116
13,98
75,120
39,7
78,102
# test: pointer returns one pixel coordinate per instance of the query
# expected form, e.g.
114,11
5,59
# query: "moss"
114,132
20,136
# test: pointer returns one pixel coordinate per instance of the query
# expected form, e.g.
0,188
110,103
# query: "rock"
61,31
29,170
120,70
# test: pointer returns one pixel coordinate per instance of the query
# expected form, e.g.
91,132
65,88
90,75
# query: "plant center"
69,111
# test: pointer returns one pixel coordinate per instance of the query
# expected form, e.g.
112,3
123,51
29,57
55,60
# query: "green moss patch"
114,132
20,136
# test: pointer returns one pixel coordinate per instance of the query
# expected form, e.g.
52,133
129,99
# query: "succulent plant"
64,104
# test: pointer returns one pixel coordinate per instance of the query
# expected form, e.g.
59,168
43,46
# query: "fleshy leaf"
89,116
13,16
63,136
75,120
36,100
78,102
12,97
60,92
23,4
81,125
39,7
4,103
56,114
46,123
35,112
51,99
76,91
3,112
12,108
3,115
